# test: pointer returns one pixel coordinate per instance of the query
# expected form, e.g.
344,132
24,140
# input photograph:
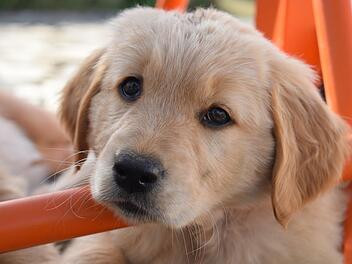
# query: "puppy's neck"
215,233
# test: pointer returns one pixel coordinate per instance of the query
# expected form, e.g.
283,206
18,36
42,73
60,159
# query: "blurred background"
43,41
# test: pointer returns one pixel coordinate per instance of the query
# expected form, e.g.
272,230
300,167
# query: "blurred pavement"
39,51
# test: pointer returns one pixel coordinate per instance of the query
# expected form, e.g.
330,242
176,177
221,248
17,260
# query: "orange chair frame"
52,217
317,31
320,33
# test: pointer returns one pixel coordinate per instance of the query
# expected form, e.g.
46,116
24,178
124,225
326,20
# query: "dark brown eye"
216,117
131,88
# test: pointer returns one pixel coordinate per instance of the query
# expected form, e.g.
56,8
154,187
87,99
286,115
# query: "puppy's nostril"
147,178
119,173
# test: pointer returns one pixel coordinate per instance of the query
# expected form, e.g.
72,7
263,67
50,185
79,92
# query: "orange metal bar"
52,217
334,31
180,5
265,19
320,32
333,21
293,29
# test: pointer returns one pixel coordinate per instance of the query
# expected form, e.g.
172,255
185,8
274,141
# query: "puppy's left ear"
76,98
311,141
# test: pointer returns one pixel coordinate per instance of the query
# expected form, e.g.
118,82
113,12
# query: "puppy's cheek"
99,186
180,204
194,201
181,216
102,181
99,140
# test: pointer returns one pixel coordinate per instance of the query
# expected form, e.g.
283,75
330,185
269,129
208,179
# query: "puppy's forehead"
196,54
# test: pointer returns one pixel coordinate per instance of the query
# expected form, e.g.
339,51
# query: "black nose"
136,173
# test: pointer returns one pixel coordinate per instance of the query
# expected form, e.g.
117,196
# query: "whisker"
60,171
185,245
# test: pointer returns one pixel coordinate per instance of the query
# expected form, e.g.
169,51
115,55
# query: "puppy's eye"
131,88
216,117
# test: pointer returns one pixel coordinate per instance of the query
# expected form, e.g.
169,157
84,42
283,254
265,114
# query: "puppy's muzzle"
136,173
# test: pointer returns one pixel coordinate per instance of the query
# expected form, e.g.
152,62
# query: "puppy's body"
19,156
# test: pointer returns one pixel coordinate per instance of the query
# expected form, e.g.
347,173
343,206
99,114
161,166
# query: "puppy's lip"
130,209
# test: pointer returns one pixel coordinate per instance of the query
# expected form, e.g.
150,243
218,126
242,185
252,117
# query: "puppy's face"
180,116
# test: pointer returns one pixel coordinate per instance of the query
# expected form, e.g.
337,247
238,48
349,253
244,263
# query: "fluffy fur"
258,191
19,156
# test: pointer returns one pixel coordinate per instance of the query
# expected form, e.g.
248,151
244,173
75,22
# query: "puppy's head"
191,112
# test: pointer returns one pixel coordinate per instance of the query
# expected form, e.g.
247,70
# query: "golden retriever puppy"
214,144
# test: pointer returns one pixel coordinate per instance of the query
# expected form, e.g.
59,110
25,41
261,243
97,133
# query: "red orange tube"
52,217
180,5
290,25
333,21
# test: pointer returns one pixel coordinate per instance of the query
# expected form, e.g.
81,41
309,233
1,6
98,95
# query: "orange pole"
334,31
333,21
319,32
266,13
52,217
180,5
290,25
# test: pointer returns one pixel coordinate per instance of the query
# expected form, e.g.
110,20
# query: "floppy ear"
311,141
76,98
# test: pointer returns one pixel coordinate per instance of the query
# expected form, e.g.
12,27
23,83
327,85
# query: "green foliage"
72,4
111,5
244,8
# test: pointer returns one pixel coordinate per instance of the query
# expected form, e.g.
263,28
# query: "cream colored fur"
19,156
260,191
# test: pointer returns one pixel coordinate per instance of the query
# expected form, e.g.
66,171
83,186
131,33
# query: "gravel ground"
39,51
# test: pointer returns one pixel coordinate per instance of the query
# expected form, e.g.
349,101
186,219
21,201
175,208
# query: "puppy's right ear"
76,98
311,141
